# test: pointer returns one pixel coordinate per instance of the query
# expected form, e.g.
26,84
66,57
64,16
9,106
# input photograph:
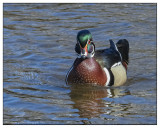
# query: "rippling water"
38,50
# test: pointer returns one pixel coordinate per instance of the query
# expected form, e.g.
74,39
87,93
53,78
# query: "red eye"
89,42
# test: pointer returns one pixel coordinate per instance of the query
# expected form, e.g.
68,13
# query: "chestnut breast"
87,71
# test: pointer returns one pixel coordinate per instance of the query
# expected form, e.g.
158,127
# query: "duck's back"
112,60
107,57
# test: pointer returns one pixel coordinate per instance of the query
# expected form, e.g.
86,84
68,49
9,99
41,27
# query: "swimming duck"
107,67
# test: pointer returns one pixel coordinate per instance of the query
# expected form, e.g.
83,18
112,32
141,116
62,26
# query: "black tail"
123,48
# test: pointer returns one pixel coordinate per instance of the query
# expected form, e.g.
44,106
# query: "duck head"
85,69
85,46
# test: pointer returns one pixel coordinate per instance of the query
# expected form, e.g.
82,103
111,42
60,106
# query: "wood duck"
107,67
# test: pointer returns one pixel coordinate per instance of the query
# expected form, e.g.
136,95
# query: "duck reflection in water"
88,99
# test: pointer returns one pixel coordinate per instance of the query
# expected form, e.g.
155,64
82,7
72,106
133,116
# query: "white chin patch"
85,54
88,56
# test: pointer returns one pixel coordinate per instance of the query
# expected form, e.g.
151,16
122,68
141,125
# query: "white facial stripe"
88,41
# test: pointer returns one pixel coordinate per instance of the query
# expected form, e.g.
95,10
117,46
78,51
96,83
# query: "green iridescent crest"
83,36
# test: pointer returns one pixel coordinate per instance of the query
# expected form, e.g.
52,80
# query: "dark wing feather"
108,57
